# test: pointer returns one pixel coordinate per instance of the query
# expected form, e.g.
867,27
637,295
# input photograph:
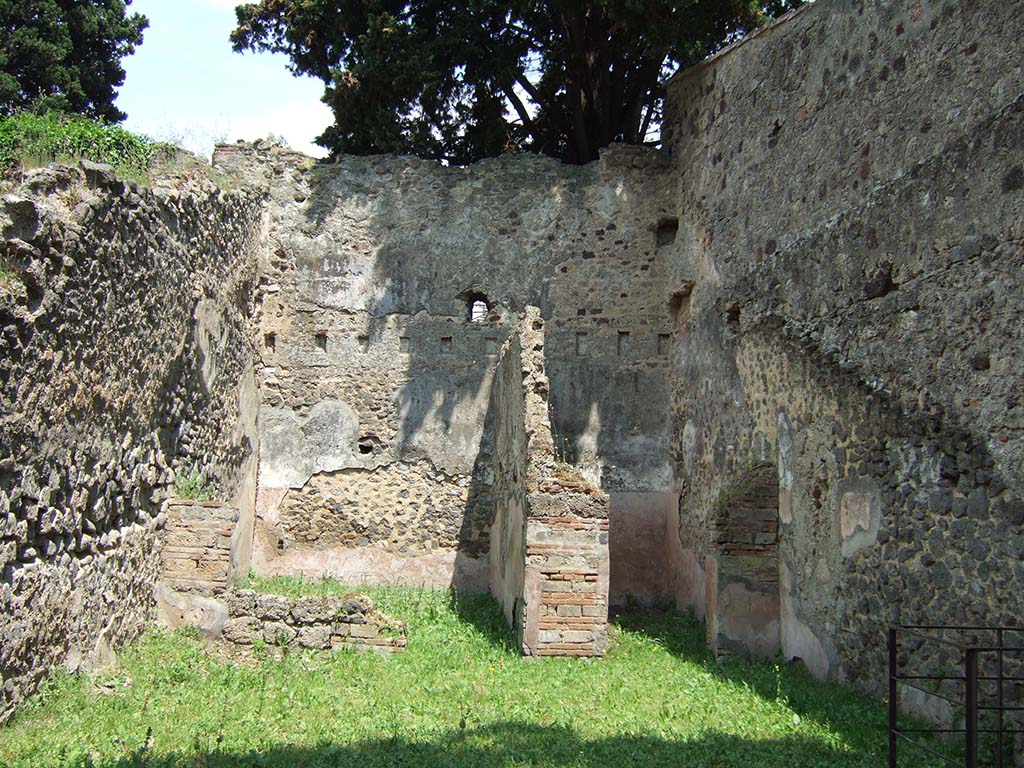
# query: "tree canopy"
65,55
463,80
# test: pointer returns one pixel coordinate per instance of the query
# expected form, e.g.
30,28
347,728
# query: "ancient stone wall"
377,420
847,294
549,540
123,353
821,271
512,438
200,546
319,623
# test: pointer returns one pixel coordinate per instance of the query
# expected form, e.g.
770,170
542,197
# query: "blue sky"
185,84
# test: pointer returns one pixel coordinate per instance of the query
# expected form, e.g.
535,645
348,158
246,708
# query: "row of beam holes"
680,306
490,345
478,307
622,343
320,339
491,342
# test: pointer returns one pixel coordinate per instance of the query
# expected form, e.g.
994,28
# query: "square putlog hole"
667,231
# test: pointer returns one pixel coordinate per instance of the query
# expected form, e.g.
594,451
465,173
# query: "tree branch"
519,107
527,86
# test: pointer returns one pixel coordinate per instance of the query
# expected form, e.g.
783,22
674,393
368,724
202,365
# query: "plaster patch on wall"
748,621
798,641
211,335
689,578
444,419
927,707
692,445
785,469
859,516
294,448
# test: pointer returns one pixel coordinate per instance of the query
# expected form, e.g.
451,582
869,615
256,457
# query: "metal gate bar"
973,701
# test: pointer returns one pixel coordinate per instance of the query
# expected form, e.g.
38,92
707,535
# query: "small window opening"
667,231
270,341
321,341
664,343
478,306
364,343
403,344
446,344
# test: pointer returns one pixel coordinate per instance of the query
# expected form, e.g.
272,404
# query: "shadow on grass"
854,715
482,611
519,744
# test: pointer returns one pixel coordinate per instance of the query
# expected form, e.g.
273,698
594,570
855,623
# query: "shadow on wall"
510,743
397,252
408,248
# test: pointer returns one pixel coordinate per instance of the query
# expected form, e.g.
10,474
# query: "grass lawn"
460,696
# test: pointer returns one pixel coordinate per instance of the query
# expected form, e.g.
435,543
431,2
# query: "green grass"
29,140
460,696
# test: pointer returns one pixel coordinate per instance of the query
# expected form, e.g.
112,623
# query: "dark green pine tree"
440,79
65,55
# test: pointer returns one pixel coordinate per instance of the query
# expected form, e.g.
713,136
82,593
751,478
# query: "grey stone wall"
848,269
123,349
375,381
549,566
821,271
512,436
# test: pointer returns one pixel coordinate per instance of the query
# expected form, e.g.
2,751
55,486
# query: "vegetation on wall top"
193,484
443,80
28,140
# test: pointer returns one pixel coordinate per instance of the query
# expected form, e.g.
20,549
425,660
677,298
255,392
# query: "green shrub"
28,140
191,483
8,276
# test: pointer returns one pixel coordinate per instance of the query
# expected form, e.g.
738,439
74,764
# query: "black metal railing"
982,654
